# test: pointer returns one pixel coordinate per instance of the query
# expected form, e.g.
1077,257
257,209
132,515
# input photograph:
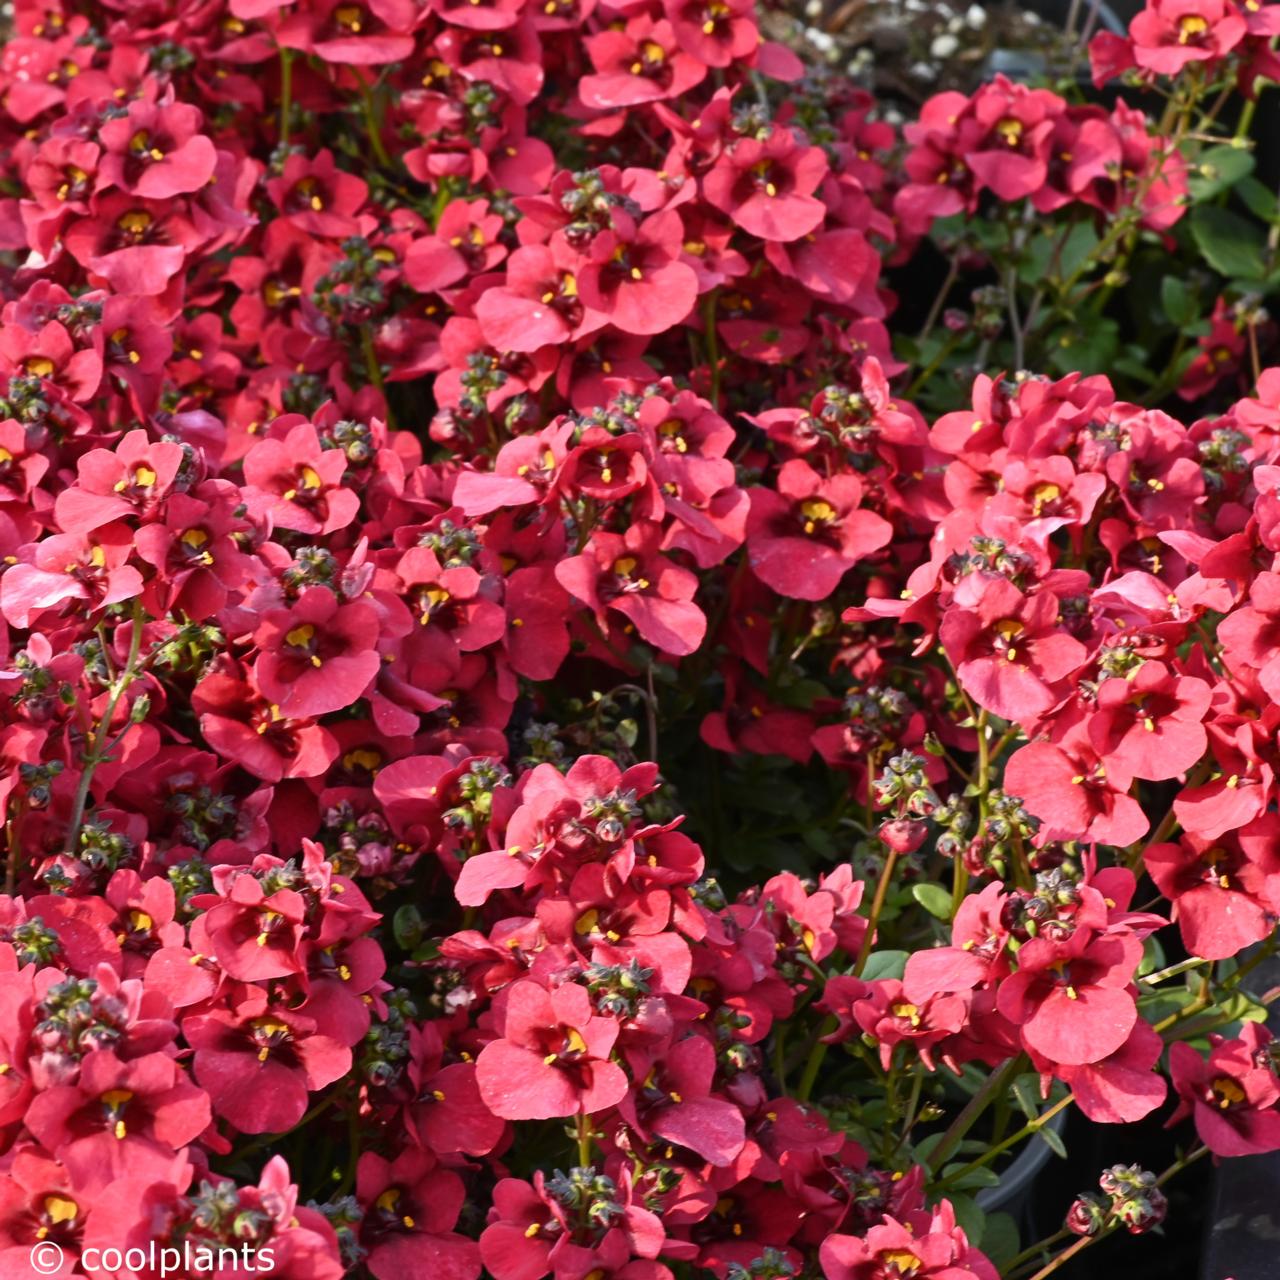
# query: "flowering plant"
561,719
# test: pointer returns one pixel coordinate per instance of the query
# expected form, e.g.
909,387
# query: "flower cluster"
455,455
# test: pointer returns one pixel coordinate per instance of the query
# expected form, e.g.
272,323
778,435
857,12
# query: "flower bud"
903,835
1087,1215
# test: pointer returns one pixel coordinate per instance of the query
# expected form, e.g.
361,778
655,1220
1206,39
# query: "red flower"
243,726
1231,1095
1075,792
298,483
258,1062
716,34
1149,724
318,197
633,274
935,1247
1005,137
539,304
251,933
410,1209
674,1102
553,1058
1225,892
120,1118
156,150
131,480
449,1114
767,187
643,61
1123,1087
70,567
361,35
624,574
1168,35
807,534
316,655
1071,999
1009,650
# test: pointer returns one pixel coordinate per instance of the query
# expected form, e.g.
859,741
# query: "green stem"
96,752
584,1142
877,905
1203,999
713,345
913,1107
952,342
13,843
286,94
353,1145
1245,123
373,126
375,369
1035,1250
1067,1254
1154,979
959,872
780,1058
1028,1130
814,1062
994,1085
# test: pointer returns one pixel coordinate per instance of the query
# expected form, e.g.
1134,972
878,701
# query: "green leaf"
1179,301
1000,1240
1042,256
1258,198
1087,350
971,1220
1218,169
408,926
1053,1140
1028,1099
801,693
1135,369
922,1150
934,899
1153,957
1232,245
1239,1006
820,841
974,1180
884,964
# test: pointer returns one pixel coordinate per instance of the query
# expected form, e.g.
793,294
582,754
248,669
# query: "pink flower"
553,1057
807,534
317,655
1232,1094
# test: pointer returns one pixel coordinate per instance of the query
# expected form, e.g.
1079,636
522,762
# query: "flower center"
907,1012
268,1034
350,17
114,1102
816,512
897,1263
1010,130
1191,25
1226,1092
